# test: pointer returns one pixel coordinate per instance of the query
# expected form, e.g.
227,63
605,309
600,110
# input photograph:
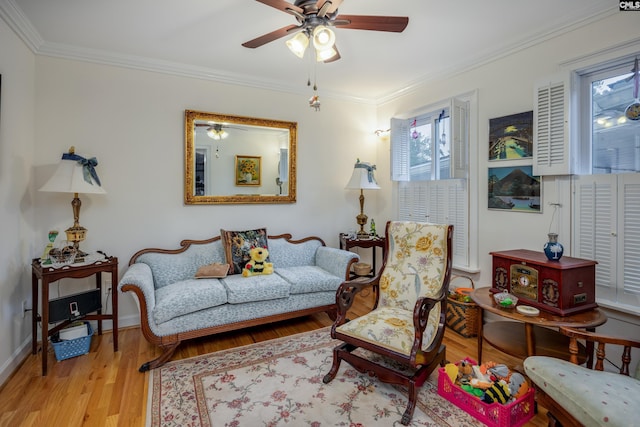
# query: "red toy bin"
514,414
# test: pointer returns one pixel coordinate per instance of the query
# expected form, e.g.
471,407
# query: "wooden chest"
561,287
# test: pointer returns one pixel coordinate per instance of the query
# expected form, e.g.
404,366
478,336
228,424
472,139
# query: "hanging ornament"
633,110
414,133
314,102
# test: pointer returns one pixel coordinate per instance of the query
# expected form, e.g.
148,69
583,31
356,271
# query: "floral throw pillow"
237,245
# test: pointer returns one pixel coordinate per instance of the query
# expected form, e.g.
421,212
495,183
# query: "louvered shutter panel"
399,150
458,216
437,202
551,143
629,185
420,197
405,204
596,229
460,137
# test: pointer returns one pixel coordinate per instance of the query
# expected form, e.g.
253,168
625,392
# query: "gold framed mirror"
236,160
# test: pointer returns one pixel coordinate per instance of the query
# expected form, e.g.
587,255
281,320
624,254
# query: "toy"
518,385
257,265
465,372
499,372
498,392
452,371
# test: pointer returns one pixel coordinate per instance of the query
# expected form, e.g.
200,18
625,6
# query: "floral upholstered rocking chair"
400,340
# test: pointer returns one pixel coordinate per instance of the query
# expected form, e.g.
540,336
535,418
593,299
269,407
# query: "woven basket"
462,317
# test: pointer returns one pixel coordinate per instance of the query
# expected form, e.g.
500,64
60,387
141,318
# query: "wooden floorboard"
106,389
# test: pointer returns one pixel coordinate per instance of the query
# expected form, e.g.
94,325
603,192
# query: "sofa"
175,305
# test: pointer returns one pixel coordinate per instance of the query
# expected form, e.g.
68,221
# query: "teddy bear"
257,265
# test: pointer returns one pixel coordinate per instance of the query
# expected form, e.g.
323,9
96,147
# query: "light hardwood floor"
106,389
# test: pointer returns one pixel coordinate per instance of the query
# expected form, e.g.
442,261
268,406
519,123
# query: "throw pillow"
212,271
237,245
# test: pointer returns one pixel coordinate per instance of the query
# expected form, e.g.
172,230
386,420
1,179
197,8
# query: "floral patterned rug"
279,383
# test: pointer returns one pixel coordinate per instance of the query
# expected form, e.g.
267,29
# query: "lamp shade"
74,174
298,44
362,177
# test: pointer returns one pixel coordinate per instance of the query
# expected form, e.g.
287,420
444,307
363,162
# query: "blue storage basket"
75,347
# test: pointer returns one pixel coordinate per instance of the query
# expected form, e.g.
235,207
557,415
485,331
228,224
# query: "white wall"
132,121
17,103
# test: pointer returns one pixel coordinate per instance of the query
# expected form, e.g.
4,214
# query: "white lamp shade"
323,37
323,55
69,178
298,44
362,178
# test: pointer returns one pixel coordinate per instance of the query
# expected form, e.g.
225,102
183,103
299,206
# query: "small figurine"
373,228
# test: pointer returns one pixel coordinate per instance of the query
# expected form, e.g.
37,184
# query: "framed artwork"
248,170
514,189
511,137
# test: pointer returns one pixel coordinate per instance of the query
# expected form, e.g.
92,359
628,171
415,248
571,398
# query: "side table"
531,335
48,275
375,242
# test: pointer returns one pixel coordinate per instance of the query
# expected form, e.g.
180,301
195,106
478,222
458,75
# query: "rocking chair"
400,340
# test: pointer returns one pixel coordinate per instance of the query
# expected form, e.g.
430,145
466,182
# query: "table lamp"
75,174
362,179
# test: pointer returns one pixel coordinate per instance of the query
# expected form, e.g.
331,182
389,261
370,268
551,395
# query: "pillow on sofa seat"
237,245
309,279
255,288
180,298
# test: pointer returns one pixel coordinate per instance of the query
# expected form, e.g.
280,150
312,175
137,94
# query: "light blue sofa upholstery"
175,306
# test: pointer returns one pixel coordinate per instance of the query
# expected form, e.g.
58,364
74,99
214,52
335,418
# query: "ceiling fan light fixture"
217,133
323,38
298,44
325,54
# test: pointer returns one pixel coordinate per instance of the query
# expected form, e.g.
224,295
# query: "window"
429,153
606,202
615,143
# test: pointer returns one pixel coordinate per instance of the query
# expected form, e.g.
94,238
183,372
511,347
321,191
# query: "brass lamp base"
361,219
77,233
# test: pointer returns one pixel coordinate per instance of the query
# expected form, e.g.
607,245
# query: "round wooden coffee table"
531,335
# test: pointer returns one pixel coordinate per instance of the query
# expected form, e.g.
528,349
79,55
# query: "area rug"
279,383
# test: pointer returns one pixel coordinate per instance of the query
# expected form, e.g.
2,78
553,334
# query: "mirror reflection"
235,159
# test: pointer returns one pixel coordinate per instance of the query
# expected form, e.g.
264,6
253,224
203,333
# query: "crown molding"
18,22
477,62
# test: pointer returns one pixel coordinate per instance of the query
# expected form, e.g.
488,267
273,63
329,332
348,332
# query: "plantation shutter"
595,226
457,215
551,144
399,150
608,231
629,188
460,138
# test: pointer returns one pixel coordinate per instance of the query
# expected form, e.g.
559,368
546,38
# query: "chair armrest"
346,294
335,261
601,341
139,279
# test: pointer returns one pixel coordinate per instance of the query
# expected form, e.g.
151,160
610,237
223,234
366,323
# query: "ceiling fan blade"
282,5
334,57
269,37
395,24
327,7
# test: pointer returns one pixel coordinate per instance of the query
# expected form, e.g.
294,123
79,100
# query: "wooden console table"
48,275
531,335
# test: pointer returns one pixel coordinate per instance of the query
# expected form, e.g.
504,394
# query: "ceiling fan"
315,17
